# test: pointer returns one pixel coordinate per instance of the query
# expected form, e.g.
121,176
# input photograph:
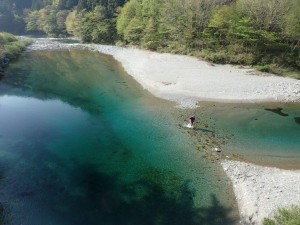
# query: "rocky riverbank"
261,190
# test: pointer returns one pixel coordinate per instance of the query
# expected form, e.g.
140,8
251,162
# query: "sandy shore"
187,80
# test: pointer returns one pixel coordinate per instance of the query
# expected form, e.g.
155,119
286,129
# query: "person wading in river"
192,119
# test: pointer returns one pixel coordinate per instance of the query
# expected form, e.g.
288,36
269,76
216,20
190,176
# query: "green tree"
61,17
266,14
102,28
291,25
151,38
72,24
151,14
31,21
97,20
128,12
134,31
47,21
182,22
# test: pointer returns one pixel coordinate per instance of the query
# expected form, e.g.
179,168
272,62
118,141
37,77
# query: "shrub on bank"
264,68
285,216
10,47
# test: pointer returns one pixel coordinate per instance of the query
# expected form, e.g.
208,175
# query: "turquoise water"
258,134
82,143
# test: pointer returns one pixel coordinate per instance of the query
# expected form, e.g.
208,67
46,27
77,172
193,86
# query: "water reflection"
80,78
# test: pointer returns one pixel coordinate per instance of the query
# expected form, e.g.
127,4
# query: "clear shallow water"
81,143
260,133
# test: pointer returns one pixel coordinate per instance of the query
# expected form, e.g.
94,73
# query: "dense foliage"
285,216
91,20
265,33
10,48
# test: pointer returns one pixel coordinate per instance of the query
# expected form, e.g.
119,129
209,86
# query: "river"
83,143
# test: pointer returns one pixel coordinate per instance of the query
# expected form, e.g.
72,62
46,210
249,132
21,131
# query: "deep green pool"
82,143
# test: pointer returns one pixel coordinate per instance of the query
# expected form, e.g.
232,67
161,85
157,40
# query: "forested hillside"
265,33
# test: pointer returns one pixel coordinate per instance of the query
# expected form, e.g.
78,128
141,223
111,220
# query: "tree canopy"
265,33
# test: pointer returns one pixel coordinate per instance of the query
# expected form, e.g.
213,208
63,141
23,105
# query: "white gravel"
188,80
261,190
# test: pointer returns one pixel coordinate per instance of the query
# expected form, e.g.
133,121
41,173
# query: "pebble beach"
261,190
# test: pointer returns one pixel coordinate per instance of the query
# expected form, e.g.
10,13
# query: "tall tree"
266,14
130,11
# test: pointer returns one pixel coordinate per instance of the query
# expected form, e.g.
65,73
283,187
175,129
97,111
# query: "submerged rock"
297,119
277,111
